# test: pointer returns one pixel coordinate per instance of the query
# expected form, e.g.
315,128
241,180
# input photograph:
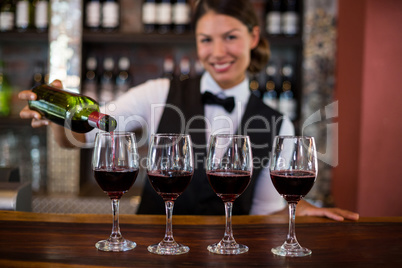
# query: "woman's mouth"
221,67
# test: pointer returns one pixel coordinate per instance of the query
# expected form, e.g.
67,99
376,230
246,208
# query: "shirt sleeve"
141,107
266,199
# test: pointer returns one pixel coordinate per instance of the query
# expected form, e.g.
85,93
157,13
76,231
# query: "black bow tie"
227,103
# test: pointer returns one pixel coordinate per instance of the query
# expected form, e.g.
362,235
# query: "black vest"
184,113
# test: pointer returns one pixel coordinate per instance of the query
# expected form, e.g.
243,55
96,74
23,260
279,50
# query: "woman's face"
223,46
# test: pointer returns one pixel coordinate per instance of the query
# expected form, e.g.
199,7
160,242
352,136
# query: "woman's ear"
255,37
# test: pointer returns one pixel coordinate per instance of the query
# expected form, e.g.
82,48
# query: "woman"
228,45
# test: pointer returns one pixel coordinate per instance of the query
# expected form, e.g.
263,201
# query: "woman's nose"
218,49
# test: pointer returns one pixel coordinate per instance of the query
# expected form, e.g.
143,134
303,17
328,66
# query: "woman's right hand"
26,113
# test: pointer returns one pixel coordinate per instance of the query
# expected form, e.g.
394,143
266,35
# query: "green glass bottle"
5,93
73,111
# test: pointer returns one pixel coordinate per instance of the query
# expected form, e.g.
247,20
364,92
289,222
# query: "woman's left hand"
306,209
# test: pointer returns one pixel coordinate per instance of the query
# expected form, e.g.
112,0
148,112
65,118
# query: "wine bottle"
5,93
123,78
164,16
38,76
107,80
41,8
23,13
92,15
287,102
73,111
168,67
181,16
90,84
7,16
185,68
110,15
290,17
270,97
273,17
149,16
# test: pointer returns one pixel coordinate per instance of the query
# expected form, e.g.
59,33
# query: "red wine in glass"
169,184
293,185
117,181
229,185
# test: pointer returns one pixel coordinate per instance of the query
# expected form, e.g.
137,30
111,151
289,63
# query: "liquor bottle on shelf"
73,111
123,78
149,16
255,85
198,68
110,15
273,17
93,15
181,16
7,15
38,76
164,16
23,13
185,68
287,102
270,97
168,67
90,83
5,93
107,81
41,11
290,17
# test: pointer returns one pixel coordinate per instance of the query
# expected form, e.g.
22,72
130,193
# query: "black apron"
184,113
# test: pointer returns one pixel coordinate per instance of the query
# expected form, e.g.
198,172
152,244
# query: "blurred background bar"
332,71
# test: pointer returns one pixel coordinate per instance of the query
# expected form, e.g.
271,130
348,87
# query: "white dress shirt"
142,107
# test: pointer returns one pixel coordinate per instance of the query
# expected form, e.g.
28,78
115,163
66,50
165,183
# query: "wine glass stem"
228,237
116,235
169,213
291,237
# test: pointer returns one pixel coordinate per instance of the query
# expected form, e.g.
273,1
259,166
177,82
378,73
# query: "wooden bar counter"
67,240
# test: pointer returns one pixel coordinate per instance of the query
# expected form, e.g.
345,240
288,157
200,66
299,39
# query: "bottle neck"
102,121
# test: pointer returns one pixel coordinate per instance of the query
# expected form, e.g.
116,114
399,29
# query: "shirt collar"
241,92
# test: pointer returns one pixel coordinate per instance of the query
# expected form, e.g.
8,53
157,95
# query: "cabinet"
146,52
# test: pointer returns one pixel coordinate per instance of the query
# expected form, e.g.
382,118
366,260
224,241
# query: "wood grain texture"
55,240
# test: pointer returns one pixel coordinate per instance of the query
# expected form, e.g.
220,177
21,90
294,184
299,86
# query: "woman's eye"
205,40
231,37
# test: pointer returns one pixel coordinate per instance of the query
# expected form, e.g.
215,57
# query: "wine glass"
229,170
170,168
115,166
293,169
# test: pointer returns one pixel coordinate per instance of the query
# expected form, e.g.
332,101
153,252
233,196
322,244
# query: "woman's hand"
26,113
306,209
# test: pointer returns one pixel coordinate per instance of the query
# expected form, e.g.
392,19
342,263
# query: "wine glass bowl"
170,168
229,170
115,167
293,170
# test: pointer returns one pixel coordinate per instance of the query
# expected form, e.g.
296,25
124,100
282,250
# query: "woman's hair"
242,10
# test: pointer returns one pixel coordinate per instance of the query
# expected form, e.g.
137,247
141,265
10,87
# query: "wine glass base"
168,248
232,249
297,251
121,245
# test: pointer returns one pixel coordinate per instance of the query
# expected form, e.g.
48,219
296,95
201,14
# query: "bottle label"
110,15
273,23
6,21
94,119
41,13
290,22
164,13
288,107
149,13
93,14
22,14
181,13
